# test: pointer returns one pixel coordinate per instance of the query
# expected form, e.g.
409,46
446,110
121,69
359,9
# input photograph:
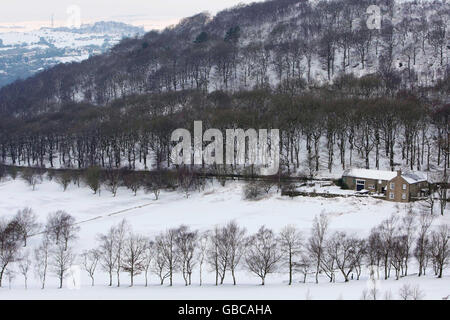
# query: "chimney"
399,173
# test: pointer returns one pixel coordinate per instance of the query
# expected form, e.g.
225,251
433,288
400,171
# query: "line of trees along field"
319,130
387,252
188,180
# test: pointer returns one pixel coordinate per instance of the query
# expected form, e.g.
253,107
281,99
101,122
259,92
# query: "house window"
403,196
391,195
404,186
392,186
360,185
371,186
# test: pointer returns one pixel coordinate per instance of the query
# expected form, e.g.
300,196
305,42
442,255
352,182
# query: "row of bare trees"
185,179
393,244
224,250
317,132
54,253
188,180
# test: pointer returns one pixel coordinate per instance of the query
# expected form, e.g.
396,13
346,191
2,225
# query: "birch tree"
316,241
263,253
291,243
41,258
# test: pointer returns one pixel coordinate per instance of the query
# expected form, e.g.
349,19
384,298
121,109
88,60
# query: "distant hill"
22,54
105,27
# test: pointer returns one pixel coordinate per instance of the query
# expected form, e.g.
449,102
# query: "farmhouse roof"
411,178
370,174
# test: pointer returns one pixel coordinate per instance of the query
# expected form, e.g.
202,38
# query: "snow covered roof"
412,178
370,174
382,175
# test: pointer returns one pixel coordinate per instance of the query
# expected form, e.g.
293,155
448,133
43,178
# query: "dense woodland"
319,131
395,248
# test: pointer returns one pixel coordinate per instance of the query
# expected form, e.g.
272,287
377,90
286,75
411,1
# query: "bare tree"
262,254
438,37
359,254
430,200
168,258
10,275
148,259
32,177
290,240
155,184
27,221
417,293
112,182
154,188
397,254
253,191
441,248
224,253
25,266
213,252
186,180
342,250
132,181
92,179
235,241
107,251
134,255
160,265
62,260
41,257
89,260
328,261
304,265
373,289
374,251
61,226
387,230
407,230
203,246
442,191
9,248
120,233
64,179
406,292
186,243
316,241
69,229
53,227
420,252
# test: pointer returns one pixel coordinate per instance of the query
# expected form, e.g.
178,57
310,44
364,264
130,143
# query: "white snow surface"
216,205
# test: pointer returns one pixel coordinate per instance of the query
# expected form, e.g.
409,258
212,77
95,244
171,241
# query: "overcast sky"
138,12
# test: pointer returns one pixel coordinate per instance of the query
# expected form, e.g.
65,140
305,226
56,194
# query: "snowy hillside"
288,45
24,53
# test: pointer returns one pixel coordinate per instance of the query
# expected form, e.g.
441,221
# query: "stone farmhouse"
395,186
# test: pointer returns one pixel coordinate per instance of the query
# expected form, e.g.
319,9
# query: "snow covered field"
215,206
